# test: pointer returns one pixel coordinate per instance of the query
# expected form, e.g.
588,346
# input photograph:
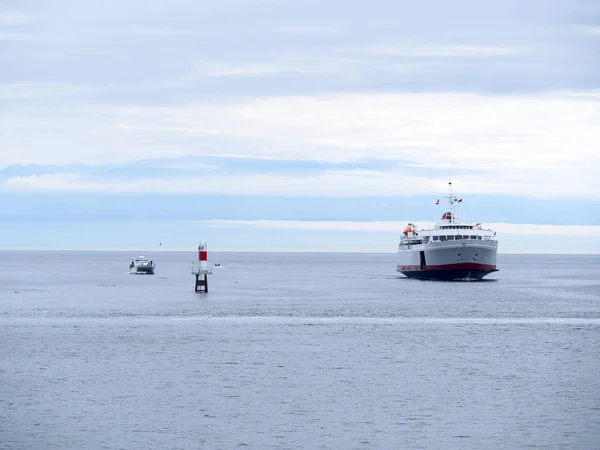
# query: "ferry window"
457,237
465,237
442,238
450,238
473,237
479,237
436,238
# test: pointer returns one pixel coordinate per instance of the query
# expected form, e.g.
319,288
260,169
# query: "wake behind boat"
453,249
141,266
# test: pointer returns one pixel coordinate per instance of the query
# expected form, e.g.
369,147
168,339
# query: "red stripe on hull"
447,271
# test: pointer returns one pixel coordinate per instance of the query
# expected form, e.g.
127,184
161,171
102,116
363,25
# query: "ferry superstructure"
452,249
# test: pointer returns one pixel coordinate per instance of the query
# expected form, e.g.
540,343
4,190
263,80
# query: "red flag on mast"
438,202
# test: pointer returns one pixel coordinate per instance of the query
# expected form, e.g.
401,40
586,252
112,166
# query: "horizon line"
179,250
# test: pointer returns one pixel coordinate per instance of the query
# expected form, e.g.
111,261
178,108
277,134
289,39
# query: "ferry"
141,266
453,249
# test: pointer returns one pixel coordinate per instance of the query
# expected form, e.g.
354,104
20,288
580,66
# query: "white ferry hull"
448,260
142,270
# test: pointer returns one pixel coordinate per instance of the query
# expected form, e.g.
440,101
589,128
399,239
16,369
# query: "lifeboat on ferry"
407,230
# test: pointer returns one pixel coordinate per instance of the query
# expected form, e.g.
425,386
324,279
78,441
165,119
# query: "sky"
275,125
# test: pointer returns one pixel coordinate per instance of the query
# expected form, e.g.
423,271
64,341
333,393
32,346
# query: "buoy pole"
201,270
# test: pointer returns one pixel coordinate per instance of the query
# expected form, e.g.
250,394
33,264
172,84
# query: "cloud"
33,90
307,29
429,128
348,63
12,18
249,69
187,166
537,145
54,181
591,31
15,36
398,226
435,50
289,64
159,32
78,182
332,183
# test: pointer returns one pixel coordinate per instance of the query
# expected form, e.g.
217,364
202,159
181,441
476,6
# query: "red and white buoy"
203,255
201,270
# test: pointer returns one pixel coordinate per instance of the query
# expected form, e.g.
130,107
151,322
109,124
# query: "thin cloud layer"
397,226
534,145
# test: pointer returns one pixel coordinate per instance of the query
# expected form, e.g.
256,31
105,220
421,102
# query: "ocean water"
296,351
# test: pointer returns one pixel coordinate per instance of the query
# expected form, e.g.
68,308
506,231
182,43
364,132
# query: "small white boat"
142,266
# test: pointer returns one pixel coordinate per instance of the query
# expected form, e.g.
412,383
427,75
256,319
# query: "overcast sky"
297,125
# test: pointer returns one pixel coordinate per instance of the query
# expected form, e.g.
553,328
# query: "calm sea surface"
296,351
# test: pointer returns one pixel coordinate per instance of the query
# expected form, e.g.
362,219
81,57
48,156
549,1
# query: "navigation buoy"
201,270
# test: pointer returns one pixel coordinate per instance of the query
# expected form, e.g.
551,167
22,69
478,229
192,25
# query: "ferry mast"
452,200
